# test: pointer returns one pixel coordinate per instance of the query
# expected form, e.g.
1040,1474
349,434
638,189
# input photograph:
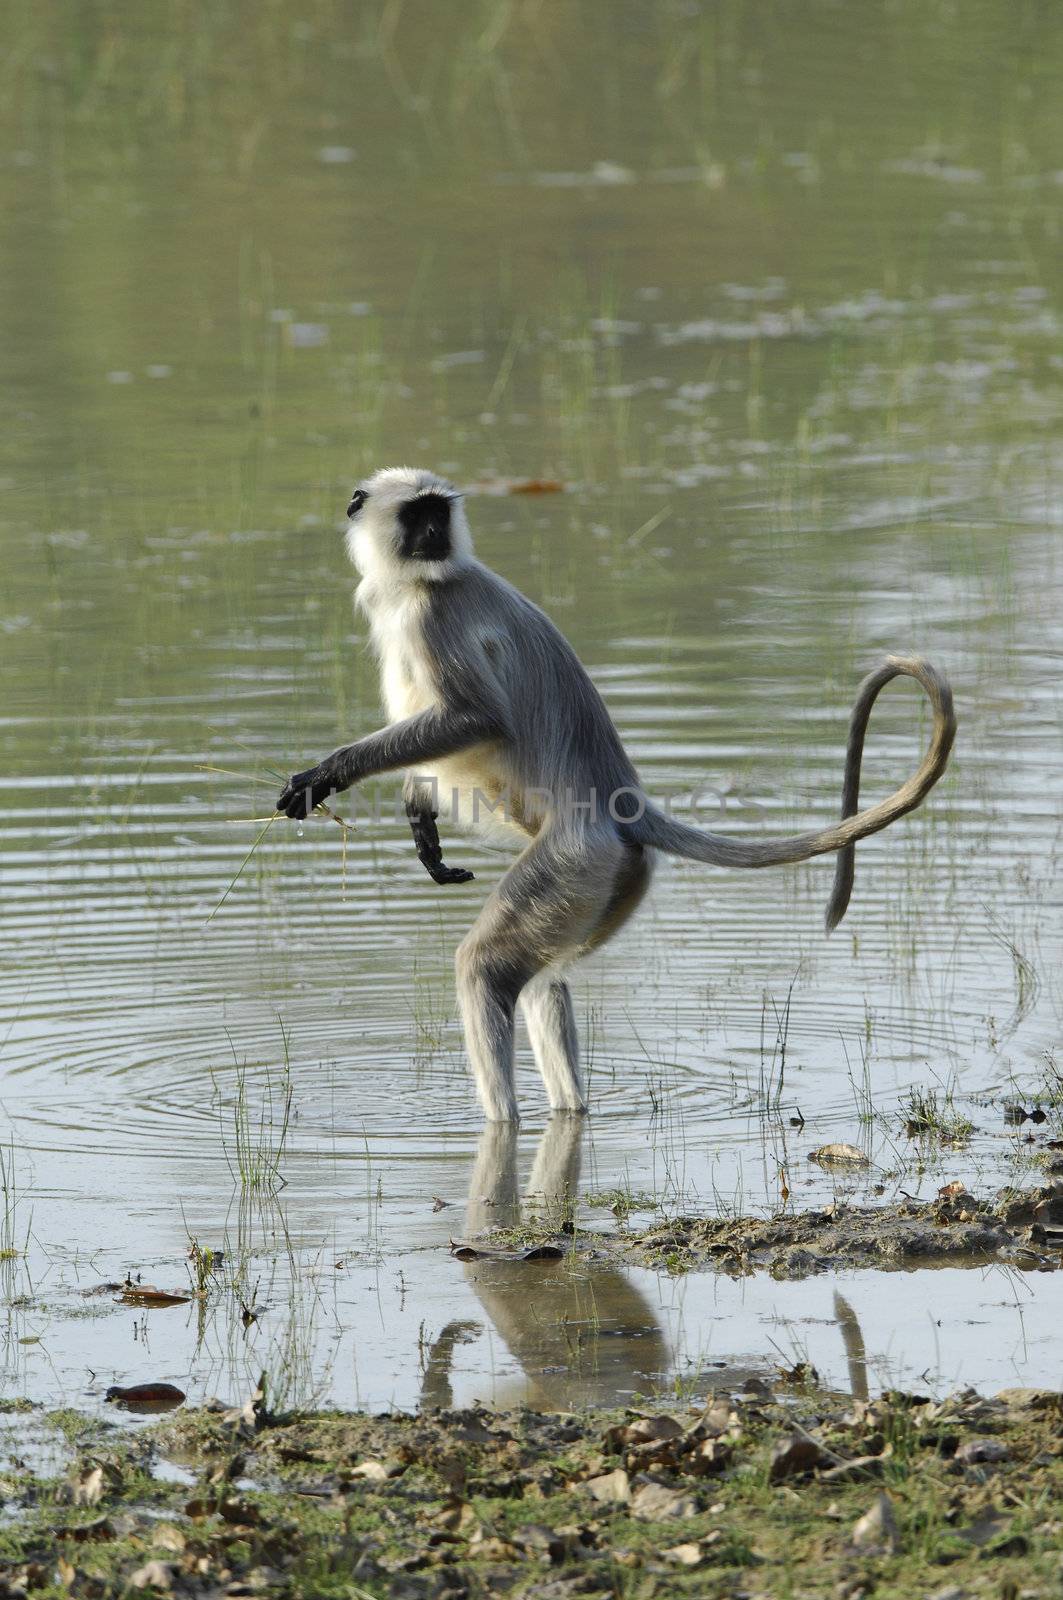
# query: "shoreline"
767,1490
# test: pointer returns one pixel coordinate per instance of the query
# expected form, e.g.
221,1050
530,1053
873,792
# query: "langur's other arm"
429,851
424,737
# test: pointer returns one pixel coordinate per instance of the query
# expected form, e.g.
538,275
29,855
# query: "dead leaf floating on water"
146,1397
146,1294
520,486
839,1155
535,1252
536,486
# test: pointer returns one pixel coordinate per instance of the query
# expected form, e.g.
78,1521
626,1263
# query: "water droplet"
299,831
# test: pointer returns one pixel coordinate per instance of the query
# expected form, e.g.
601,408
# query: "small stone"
611,1489
168,1537
720,1419
981,1449
153,1575
87,1490
685,1555
708,1458
877,1528
646,1430
797,1457
656,1503
494,1549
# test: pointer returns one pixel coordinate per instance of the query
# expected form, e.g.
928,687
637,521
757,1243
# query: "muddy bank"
750,1493
1023,1228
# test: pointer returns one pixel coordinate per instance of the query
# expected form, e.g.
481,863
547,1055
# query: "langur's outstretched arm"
429,851
424,737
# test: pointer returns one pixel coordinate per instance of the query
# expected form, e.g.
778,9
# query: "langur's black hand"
442,874
429,850
304,791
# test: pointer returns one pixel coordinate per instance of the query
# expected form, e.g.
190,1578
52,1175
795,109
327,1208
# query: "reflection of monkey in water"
583,1335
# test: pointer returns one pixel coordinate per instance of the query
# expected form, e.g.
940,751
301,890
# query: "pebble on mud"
877,1528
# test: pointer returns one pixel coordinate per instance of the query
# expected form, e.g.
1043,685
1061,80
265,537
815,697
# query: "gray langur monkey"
491,708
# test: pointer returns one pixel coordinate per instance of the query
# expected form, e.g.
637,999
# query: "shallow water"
778,298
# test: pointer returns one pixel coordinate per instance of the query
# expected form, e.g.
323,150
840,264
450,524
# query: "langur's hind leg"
487,995
546,1001
548,905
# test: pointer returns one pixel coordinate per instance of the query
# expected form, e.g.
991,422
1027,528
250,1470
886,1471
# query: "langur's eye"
358,499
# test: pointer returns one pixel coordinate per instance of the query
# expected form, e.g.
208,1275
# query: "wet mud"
1019,1227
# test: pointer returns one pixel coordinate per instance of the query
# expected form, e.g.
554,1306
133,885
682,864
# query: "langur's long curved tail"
664,833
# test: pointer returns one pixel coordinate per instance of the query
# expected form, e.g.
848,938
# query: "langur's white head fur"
407,527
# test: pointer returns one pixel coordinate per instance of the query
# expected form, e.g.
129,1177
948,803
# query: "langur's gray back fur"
492,646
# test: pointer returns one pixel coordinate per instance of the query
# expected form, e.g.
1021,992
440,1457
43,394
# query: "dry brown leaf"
536,486
796,1457
146,1294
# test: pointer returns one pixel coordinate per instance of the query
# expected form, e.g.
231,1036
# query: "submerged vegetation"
254,1132
930,1113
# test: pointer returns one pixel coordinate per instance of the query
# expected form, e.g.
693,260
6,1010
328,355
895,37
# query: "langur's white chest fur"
469,783
395,619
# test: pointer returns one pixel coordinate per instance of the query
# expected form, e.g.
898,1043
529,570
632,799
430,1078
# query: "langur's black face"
424,526
406,525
